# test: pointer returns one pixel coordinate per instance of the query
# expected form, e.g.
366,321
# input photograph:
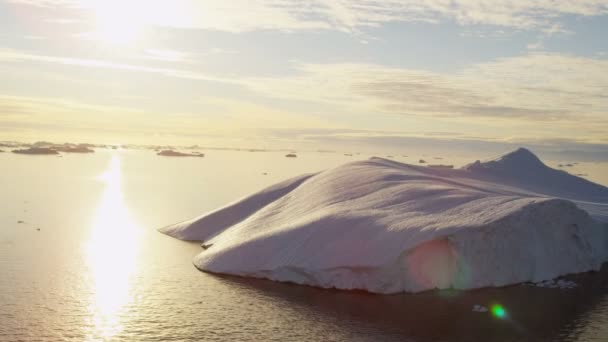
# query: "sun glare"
118,22
111,254
124,23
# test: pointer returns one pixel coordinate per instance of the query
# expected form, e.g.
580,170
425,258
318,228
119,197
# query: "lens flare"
499,311
433,264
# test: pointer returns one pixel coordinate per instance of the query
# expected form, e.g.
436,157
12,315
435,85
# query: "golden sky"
287,73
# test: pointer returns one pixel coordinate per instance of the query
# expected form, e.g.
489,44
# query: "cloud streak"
351,15
527,91
556,88
11,55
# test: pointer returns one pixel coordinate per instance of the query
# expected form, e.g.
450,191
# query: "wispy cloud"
530,90
351,15
212,116
31,113
11,55
166,55
539,87
60,118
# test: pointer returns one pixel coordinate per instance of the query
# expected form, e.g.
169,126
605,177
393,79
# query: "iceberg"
387,227
36,150
171,153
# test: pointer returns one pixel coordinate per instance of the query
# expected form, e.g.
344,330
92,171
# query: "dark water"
97,269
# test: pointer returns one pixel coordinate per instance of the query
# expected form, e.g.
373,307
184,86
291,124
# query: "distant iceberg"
387,227
171,153
36,150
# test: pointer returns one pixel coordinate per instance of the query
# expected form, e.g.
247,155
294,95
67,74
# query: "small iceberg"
68,148
37,151
479,308
556,284
387,227
172,153
440,166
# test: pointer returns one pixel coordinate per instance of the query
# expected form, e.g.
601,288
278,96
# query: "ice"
556,284
36,150
479,308
387,227
171,153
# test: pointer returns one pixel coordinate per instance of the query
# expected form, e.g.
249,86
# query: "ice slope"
387,227
523,170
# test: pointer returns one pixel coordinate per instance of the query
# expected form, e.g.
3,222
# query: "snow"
556,284
387,227
479,308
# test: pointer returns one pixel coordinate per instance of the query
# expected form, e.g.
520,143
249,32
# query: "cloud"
538,45
414,143
38,107
166,55
60,118
537,87
523,93
350,15
11,55
218,117
23,116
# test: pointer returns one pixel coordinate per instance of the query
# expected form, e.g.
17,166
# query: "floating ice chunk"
557,284
479,308
387,227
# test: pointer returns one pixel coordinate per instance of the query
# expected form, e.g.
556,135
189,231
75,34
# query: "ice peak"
520,159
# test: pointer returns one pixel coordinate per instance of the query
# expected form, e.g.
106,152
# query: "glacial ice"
387,227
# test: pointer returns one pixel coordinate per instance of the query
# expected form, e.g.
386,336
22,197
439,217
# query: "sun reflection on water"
111,255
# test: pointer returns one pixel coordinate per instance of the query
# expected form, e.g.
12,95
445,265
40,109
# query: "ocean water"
81,260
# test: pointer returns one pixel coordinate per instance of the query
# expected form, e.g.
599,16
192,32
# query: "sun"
121,34
119,23
127,23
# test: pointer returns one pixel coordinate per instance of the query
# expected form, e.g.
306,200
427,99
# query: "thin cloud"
348,16
10,55
558,88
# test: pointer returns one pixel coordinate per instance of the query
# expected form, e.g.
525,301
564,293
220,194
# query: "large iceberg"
387,227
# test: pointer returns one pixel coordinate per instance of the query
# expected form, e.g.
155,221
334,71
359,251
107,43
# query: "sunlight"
111,254
124,23
117,22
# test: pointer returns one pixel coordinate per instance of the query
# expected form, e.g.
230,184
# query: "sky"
358,74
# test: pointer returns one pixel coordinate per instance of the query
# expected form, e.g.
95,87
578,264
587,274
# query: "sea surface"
81,260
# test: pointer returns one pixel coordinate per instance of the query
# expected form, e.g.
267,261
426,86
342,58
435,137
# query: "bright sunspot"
124,23
111,254
117,22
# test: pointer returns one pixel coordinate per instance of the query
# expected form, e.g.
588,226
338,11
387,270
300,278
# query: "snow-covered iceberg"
387,227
